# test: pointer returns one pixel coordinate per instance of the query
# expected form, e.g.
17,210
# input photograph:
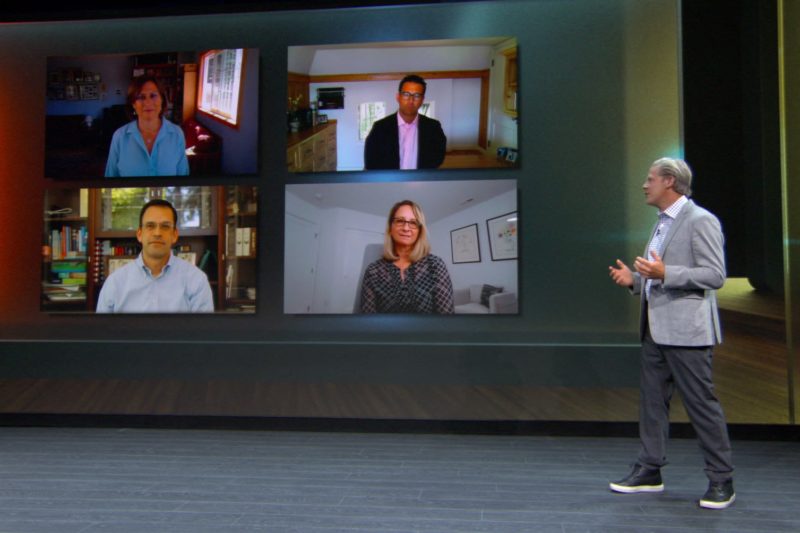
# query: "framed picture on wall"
503,236
191,257
464,245
113,263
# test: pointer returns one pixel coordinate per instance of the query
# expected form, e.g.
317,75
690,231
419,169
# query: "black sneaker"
718,495
640,479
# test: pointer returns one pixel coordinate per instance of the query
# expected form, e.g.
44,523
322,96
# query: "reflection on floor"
750,374
738,295
751,365
473,159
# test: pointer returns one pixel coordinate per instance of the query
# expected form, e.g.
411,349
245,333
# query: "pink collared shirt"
408,134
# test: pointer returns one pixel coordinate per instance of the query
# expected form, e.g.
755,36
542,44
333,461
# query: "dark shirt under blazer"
382,148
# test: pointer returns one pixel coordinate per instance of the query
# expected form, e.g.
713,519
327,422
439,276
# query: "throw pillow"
487,291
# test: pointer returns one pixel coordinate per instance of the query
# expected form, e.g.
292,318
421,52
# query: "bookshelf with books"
65,250
239,226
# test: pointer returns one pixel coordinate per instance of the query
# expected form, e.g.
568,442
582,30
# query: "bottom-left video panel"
182,249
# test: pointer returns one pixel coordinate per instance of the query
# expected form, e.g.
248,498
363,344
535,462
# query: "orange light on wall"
21,177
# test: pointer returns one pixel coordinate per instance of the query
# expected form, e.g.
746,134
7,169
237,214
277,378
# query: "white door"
299,264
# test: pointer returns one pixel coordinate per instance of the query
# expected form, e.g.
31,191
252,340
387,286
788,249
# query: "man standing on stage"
683,266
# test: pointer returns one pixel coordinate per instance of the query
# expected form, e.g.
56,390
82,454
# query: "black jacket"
382,148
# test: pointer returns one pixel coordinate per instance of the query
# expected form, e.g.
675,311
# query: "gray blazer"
682,309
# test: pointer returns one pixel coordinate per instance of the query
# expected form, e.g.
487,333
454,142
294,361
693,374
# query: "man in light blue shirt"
157,281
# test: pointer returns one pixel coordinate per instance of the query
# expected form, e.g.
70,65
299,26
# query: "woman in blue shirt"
149,145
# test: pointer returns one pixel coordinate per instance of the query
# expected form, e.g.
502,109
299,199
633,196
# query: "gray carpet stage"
71,480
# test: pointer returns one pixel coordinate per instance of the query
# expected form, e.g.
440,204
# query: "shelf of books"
65,260
65,255
240,246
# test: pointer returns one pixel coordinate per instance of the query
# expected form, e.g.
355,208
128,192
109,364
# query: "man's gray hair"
678,169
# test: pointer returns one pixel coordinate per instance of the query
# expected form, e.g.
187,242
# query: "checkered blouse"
425,289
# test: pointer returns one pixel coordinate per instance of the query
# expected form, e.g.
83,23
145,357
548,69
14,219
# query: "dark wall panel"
585,143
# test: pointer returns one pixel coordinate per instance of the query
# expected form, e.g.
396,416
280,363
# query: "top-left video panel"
169,114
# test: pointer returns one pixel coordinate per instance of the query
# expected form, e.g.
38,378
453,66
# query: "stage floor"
71,480
750,373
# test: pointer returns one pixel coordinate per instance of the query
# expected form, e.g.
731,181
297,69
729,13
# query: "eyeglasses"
143,96
164,226
400,222
407,95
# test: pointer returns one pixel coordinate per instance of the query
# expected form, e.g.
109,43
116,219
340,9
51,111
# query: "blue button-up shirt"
129,157
180,288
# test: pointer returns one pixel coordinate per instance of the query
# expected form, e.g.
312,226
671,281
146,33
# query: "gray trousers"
688,368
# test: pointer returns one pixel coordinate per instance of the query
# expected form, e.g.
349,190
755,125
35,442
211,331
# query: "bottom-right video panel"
424,247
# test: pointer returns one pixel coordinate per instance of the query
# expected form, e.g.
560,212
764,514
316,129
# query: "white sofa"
468,300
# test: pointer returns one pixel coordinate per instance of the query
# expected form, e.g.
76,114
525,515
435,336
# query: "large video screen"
346,244
584,113
170,114
349,106
175,249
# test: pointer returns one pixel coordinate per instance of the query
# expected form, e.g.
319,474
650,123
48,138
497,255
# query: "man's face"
409,100
158,233
657,189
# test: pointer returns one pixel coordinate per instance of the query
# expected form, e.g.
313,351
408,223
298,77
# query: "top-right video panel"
403,105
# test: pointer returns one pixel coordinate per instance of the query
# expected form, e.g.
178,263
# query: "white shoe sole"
632,490
717,505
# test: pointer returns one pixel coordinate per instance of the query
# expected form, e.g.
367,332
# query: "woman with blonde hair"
408,278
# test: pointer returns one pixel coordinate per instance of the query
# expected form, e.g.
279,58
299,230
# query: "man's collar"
402,122
145,268
673,210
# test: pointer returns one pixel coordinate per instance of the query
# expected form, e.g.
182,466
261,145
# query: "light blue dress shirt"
180,288
128,156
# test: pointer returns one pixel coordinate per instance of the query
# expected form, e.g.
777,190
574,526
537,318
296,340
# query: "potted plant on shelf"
293,117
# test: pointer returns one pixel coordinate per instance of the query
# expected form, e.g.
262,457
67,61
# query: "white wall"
400,58
300,59
465,114
343,239
343,235
498,273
